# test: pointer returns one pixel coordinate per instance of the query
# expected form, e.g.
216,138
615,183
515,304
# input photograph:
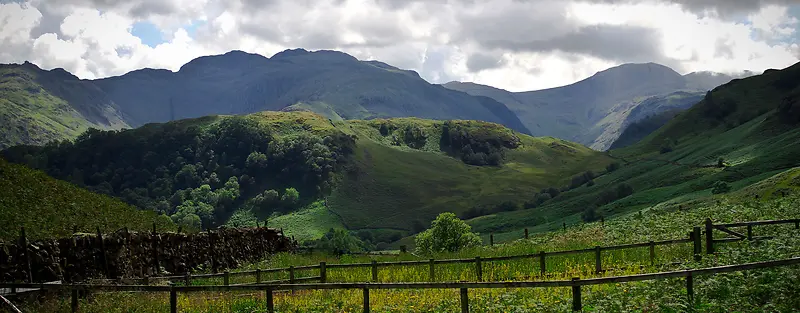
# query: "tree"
590,214
612,167
720,187
290,197
447,233
624,190
721,162
340,241
242,218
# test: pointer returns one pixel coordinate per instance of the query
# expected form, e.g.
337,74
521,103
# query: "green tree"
228,194
720,187
612,167
242,218
290,197
447,233
340,241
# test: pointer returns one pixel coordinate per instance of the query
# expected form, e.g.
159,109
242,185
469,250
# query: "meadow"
771,290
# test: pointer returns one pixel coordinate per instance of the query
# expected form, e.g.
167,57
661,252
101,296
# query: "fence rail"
574,283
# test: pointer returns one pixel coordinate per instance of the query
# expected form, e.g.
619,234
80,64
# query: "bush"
612,167
720,187
720,162
340,241
447,233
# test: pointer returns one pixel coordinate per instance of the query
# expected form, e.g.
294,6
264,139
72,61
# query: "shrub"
720,162
612,167
340,241
447,233
720,187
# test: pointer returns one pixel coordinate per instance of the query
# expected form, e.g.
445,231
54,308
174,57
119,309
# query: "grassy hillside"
48,207
383,176
33,108
765,290
750,125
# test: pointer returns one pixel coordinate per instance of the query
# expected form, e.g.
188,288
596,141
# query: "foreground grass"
49,208
771,290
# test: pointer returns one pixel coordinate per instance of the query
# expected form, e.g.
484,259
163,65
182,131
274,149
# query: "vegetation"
202,169
338,242
754,291
33,110
447,234
49,208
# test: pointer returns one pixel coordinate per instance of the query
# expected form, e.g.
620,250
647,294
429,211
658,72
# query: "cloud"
513,44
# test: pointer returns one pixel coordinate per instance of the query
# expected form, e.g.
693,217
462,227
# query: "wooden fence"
694,237
575,284
737,236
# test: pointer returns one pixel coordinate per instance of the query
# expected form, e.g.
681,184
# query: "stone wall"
129,255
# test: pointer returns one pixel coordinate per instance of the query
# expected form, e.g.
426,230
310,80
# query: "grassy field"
48,208
771,290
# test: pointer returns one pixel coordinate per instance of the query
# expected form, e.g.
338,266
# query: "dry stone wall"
137,254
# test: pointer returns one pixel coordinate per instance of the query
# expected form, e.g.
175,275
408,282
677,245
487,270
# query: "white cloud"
517,45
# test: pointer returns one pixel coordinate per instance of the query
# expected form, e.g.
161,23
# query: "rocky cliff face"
127,255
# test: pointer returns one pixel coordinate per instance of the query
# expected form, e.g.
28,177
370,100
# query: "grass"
29,114
767,290
396,186
307,224
49,208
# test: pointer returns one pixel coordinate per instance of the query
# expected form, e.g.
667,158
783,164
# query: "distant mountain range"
596,110
40,105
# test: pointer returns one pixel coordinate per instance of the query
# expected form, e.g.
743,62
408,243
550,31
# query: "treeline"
484,145
197,171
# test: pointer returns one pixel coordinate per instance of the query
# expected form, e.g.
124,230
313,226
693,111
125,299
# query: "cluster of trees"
505,206
197,171
476,145
623,190
581,179
339,242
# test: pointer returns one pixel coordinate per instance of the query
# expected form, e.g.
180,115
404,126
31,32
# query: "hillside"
383,174
647,116
48,207
748,123
38,106
593,111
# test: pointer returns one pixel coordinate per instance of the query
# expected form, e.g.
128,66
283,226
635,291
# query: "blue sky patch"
148,33
191,29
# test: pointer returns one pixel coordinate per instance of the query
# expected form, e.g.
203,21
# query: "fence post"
270,303
258,276
749,232
491,240
565,226
374,270
291,274
698,246
464,301
323,272
173,300
74,300
542,264
226,278
432,273
103,260
598,262
23,242
366,300
690,289
146,280
652,253
478,268
576,295
709,236
156,266
526,233
187,278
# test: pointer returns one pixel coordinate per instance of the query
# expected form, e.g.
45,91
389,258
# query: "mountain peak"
319,55
231,59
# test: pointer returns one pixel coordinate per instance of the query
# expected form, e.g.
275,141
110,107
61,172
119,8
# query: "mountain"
38,106
739,133
331,83
647,116
593,111
49,208
379,175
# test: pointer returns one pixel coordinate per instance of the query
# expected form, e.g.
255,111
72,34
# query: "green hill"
379,175
740,133
38,106
48,207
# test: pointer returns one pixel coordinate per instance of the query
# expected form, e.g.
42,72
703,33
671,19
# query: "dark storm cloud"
482,61
722,7
609,42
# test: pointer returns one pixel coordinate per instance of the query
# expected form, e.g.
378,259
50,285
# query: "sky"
516,45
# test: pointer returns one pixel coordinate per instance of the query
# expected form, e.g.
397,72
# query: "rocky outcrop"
129,254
